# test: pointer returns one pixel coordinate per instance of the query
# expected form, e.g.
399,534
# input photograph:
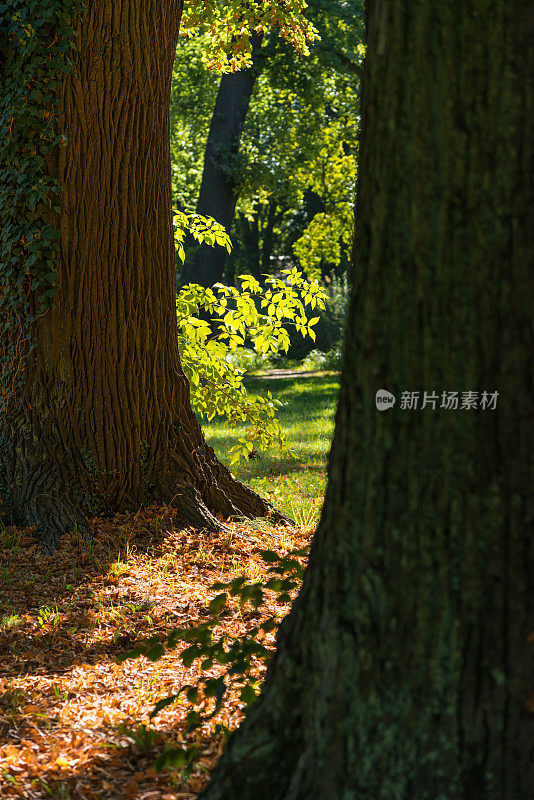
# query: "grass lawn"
295,483
74,724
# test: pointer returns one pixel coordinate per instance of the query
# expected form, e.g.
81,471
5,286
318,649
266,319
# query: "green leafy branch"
229,26
249,313
204,229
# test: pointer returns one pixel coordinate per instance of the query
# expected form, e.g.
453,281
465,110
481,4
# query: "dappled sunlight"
294,480
311,399
73,722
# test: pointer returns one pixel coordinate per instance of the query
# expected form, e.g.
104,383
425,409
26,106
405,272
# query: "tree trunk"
404,670
251,240
105,422
218,191
268,238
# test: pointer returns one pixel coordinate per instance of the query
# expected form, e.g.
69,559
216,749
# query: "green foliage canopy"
300,140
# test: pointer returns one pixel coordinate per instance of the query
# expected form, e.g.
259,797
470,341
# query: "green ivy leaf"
166,701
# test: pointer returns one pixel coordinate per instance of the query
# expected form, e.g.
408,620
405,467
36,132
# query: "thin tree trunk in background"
218,191
404,669
106,421
251,240
268,238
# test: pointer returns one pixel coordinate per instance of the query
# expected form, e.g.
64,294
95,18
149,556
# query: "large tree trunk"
105,422
404,669
218,190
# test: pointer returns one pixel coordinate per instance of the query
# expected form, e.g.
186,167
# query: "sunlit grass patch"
295,480
9,620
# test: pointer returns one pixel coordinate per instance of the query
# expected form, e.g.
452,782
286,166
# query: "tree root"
52,518
202,490
232,499
192,509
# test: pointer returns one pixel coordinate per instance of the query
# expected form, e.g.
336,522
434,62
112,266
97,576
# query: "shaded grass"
294,483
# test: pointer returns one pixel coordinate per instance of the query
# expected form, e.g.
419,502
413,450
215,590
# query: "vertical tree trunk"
251,240
218,191
404,669
268,238
106,421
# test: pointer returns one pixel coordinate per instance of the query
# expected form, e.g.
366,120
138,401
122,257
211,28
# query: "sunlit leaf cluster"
216,323
203,229
329,232
229,26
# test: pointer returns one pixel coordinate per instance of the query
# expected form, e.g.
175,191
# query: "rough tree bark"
404,669
218,191
106,422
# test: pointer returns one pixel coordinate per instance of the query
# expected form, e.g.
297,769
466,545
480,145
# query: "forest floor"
74,724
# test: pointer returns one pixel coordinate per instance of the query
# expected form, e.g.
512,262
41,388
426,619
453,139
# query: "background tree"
102,418
218,193
302,113
404,669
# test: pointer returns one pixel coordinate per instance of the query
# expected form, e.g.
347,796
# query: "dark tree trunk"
268,238
218,191
251,240
404,669
105,422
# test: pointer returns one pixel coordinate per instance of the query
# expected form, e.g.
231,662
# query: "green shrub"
318,360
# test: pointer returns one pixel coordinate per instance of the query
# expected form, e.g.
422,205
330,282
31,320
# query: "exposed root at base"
192,509
52,518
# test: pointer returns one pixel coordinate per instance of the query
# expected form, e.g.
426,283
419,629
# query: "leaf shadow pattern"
70,716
